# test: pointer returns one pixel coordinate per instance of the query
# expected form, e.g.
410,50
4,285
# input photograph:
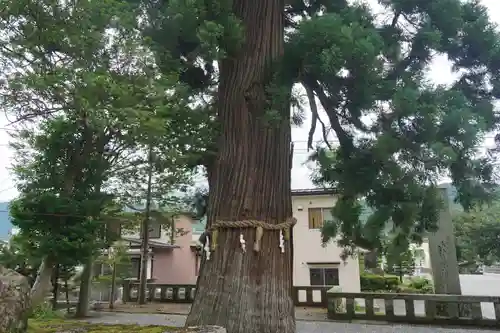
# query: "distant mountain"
5,225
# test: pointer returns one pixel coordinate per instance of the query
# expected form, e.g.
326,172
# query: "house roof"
152,243
312,191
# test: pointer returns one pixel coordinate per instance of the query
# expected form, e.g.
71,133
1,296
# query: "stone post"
443,253
444,263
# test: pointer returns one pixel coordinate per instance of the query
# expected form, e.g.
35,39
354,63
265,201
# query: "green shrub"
44,311
373,282
418,285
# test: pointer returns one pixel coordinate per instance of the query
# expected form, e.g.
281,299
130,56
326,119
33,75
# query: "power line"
7,189
296,150
68,215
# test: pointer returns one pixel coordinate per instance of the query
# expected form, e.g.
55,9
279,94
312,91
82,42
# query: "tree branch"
345,139
315,119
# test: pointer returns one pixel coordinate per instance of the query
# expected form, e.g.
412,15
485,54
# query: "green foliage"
476,235
56,221
361,68
20,255
400,259
373,282
392,283
117,259
82,70
44,311
417,285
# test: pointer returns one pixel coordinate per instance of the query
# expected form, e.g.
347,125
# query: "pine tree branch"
345,139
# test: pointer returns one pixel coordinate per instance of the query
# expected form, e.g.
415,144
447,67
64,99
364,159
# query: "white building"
315,264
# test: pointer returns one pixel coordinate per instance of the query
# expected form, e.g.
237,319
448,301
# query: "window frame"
138,273
323,272
311,224
152,230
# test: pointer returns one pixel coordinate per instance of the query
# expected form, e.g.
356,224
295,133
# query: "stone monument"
14,301
444,263
442,252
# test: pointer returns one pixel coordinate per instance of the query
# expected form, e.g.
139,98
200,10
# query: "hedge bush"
373,282
418,285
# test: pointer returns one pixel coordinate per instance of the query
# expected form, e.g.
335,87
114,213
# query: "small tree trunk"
250,292
113,288
55,288
82,307
42,282
66,291
143,280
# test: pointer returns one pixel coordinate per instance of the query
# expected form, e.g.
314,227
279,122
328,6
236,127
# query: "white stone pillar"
443,254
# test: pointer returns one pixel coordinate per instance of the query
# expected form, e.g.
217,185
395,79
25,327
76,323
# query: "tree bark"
113,288
82,307
143,280
42,282
249,292
55,287
66,292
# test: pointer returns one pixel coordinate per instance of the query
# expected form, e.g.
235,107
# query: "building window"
324,276
113,231
318,216
154,230
135,270
96,270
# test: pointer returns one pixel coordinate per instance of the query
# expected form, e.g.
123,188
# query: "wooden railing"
170,293
415,308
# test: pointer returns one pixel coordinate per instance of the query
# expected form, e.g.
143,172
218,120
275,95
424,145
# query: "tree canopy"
83,87
398,133
477,235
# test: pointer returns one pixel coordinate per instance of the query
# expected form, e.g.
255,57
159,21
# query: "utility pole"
145,233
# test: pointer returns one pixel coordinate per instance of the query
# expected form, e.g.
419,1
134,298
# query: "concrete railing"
312,296
162,293
415,308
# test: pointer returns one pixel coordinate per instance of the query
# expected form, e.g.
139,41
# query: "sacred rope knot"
220,224
259,226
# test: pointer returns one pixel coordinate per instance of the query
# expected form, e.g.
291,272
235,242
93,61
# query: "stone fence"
415,308
387,307
169,293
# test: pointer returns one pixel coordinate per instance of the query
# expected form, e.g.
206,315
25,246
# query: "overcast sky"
440,72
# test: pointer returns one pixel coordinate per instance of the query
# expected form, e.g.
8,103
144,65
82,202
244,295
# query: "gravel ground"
302,326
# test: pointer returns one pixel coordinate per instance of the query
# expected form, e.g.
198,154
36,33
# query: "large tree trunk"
249,292
82,307
42,282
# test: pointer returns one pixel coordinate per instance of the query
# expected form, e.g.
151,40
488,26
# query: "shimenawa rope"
259,226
